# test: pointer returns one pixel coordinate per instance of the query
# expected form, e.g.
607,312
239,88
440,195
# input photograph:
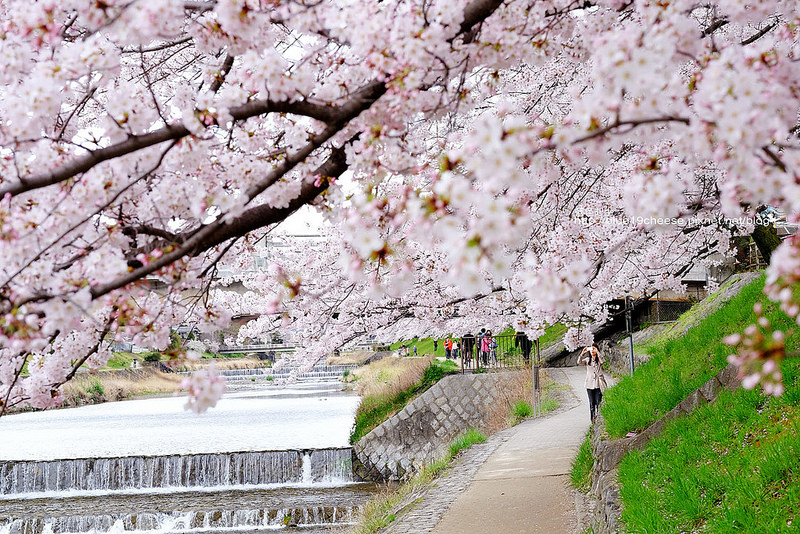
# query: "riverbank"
116,385
149,379
515,463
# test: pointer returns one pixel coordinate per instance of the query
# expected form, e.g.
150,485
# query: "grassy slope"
679,366
375,409
731,466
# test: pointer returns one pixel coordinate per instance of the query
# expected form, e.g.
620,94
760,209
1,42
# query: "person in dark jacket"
522,341
467,344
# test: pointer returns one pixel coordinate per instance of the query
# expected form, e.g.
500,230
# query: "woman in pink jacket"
486,346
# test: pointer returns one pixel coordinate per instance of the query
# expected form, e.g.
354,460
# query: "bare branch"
223,71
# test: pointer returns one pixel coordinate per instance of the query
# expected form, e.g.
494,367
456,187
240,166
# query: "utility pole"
537,394
629,324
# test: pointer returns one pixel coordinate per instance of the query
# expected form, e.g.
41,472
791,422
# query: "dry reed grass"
106,386
517,386
247,362
390,376
356,357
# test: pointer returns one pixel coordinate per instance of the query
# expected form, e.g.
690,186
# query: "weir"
201,493
316,374
162,472
180,521
316,466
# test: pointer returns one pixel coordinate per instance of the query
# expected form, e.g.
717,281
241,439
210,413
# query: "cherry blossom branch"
200,240
170,132
265,215
91,215
210,235
17,373
633,123
92,350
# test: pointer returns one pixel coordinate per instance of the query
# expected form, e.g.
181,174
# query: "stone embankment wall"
608,453
423,430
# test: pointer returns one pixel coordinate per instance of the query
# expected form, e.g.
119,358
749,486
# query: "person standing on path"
467,344
524,343
595,381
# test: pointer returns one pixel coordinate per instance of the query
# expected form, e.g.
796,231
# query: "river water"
303,416
272,458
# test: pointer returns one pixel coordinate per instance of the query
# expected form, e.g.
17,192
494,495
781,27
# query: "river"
266,458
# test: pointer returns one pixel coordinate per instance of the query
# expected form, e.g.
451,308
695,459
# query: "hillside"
730,466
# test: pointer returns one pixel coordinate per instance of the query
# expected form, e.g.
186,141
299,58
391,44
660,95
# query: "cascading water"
330,466
46,487
178,522
319,373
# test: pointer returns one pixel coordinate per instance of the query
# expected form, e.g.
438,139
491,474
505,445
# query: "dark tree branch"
170,132
156,48
265,215
153,231
717,24
4,403
223,71
761,33
632,123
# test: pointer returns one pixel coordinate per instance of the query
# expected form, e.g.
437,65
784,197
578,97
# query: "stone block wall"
609,453
422,431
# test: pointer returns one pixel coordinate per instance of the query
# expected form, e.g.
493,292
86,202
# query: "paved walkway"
516,482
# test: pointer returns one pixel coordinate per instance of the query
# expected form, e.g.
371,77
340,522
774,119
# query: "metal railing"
483,352
664,311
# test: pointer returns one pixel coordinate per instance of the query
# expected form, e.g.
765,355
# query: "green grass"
548,404
375,410
679,366
730,466
580,475
519,411
552,334
121,360
95,388
449,365
424,346
467,440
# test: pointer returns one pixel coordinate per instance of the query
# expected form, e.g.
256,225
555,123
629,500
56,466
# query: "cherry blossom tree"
520,160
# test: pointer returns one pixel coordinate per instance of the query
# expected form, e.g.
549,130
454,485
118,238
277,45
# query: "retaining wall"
422,431
608,453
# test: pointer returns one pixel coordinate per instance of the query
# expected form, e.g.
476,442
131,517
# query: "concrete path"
522,488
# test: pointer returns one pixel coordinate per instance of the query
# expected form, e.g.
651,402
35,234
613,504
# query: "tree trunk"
767,240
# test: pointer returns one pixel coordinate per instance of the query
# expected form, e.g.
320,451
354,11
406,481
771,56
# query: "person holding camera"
595,381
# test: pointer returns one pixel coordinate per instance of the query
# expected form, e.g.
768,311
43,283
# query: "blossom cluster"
760,350
474,163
